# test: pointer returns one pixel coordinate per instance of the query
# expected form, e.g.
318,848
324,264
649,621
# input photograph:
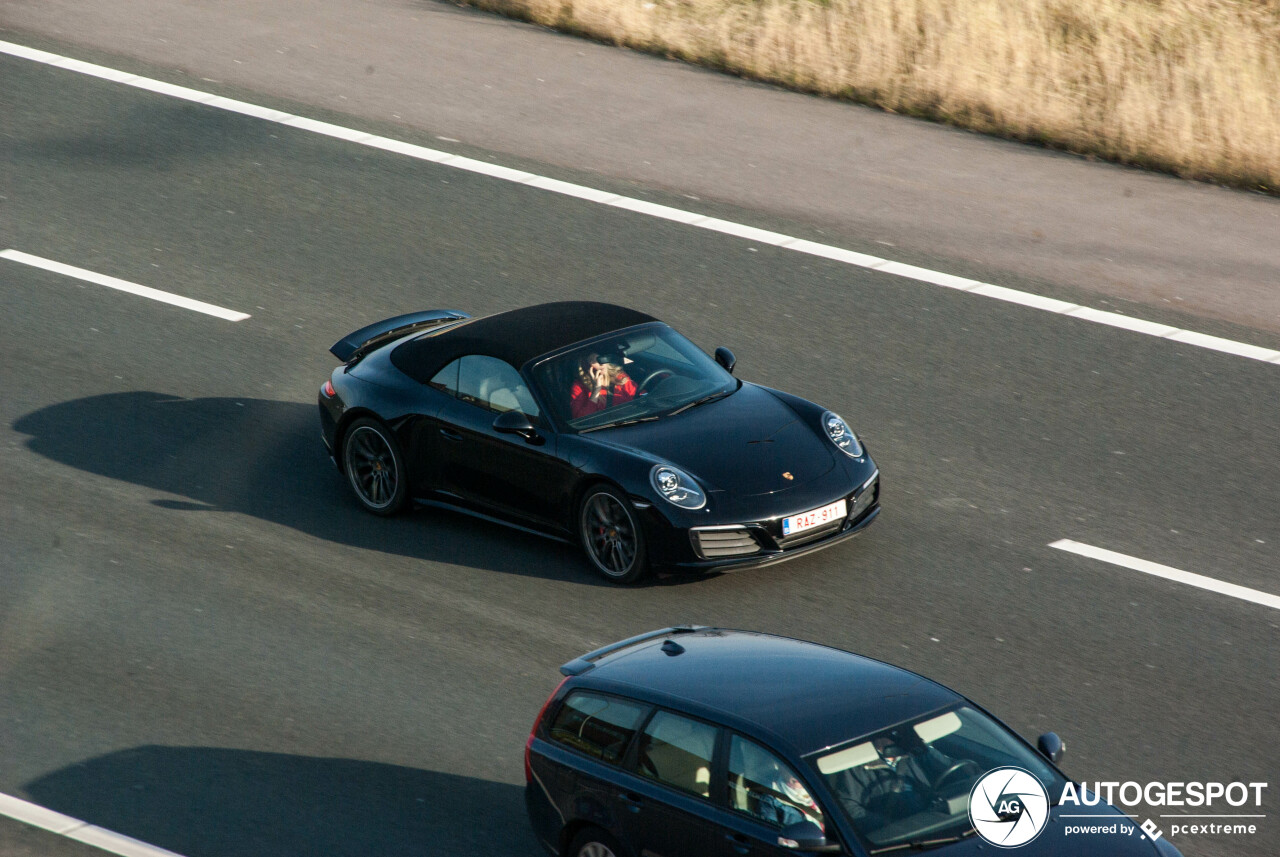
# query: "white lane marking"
726,227
1244,593
122,285
81,831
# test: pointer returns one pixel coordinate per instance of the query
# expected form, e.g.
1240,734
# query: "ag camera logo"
1008,807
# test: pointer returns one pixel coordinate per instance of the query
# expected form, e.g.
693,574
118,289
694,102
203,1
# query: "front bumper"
760,542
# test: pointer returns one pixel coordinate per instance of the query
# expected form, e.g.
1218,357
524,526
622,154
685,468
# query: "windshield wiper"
923,844
630,422
697,402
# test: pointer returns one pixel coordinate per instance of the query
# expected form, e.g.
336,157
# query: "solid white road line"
1244,593
726,227
122,285
81,831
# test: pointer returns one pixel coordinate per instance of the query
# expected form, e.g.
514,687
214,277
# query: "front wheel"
374,466
611,535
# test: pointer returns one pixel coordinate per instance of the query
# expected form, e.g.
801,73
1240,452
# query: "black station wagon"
701,742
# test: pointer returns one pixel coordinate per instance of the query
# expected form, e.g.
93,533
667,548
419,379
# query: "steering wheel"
967,766
894,795
652,377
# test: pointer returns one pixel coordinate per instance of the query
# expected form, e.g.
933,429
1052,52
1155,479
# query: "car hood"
742,444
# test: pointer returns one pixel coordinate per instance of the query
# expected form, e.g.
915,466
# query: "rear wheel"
374,466
611,535
593,842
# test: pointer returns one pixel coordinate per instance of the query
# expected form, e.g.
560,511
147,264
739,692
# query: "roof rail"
582,664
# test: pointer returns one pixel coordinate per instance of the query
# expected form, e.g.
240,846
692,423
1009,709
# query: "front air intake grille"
870,494
723,542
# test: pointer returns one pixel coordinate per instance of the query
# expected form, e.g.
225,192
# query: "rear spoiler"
578,666
356,344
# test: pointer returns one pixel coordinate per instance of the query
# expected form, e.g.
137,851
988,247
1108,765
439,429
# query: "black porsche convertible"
595,424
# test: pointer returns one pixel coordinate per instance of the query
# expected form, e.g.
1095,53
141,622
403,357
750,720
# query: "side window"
763,787
600,726
678,751
446,380
494,385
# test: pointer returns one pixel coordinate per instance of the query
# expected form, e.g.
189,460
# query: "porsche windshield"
908,786
640,373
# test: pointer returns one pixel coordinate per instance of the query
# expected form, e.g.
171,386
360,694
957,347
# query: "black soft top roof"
516,336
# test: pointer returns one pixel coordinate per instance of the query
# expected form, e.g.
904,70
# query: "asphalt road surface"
867,177
205,645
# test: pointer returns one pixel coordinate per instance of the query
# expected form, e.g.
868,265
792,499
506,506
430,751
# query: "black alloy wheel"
374,466
611,535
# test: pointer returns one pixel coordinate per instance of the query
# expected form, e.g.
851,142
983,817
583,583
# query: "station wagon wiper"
923,844
697,402
630,422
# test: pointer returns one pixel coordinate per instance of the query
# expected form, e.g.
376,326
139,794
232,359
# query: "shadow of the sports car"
262,458
209,802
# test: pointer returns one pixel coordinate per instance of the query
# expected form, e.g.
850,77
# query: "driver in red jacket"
601,383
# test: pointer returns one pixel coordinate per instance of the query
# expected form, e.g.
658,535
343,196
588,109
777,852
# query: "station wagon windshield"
907,787
642,373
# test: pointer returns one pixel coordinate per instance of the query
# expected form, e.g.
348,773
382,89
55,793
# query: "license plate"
807,521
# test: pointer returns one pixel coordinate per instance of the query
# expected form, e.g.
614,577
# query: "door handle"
631,801
449,433
741,843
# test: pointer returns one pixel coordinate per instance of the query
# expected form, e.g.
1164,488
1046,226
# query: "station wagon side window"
598,725
678,751
763,787
494,385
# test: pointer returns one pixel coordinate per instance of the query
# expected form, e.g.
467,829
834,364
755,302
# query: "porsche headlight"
841,435
676,487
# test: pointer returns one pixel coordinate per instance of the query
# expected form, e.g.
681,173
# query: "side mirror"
516,422
1051,747
806,837
726,359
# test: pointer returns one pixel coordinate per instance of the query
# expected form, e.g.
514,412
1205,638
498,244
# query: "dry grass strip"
1191,87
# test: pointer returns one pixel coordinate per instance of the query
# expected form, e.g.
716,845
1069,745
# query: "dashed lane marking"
1212,584
80,831
122,285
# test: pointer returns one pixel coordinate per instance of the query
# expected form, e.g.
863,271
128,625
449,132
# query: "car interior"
678,752
757,786
915,780
498,395
664,377
487,382
597,725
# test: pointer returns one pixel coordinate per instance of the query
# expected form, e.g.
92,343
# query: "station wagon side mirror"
1051,747
516,422
807,838
726,359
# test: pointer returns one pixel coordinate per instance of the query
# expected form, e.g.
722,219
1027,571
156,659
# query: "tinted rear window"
598,725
